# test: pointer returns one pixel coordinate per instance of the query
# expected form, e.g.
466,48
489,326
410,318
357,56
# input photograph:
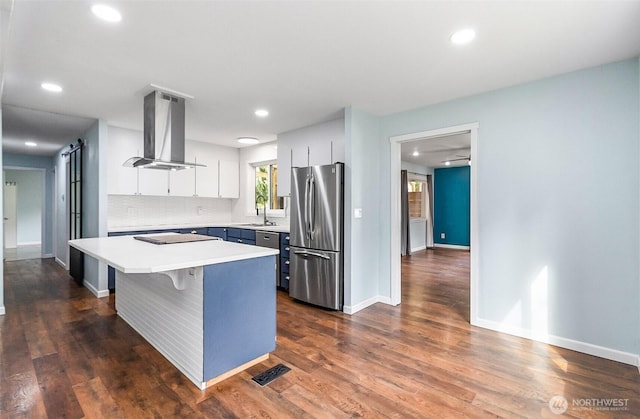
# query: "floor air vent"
271,374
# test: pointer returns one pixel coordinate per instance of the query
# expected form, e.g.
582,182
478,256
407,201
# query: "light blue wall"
46,163
94,211
451,211
361,191
558,202
28,203
2,309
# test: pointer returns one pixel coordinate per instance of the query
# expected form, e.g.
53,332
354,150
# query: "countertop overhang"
128,255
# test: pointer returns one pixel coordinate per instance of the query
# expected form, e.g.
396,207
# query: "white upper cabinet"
123,144
218,178
182,182
310,146
284,168
229,179
153,182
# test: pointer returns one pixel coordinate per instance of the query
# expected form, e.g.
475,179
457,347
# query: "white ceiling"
434,152
303,61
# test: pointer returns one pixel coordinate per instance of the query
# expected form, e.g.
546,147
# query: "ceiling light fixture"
463,36
51,87
30,144
262,113
447,163
106,13
415,154
248,140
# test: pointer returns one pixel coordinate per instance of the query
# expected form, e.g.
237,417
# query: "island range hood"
163,134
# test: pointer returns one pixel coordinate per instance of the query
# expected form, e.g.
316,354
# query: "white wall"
559,238
417,226
156,211
29,204
244,208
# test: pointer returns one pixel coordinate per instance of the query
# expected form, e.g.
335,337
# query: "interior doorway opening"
469,159
24,218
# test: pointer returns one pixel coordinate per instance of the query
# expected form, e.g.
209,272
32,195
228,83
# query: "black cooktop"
174,238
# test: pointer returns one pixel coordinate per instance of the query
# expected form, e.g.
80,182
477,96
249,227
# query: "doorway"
395,220
23,205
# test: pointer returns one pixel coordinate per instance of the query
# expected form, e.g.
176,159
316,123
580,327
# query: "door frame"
396,274
43,215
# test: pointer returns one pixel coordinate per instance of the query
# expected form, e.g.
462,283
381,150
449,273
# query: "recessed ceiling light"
447,163
248,140
463,36
30,144
262,113
106,13
51,87
415,153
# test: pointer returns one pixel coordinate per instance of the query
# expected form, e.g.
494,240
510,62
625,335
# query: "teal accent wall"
451,205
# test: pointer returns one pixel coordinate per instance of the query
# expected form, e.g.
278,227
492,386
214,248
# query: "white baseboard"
95,291
574,345
366,303
415,249
47,256
451,246
29,243
61,263
2,311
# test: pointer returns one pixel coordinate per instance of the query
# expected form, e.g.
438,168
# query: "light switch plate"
357,212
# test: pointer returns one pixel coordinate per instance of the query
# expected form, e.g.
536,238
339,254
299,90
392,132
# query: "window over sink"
266,189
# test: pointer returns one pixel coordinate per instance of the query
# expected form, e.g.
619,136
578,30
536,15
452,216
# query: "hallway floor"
65,353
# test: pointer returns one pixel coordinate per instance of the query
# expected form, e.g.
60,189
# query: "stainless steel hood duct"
163,134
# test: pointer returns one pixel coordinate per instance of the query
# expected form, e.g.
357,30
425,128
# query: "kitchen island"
209,307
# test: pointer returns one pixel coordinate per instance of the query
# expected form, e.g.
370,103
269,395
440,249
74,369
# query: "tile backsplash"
131,211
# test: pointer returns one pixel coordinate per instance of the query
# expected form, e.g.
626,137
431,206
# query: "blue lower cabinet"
284,280
217,232
202,231
241,235
284,261
239,313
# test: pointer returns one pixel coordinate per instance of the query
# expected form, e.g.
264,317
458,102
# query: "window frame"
276,213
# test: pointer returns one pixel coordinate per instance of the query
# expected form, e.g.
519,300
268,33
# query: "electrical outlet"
442,235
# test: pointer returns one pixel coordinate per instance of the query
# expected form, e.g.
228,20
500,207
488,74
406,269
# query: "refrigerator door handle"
307,253
312,203
306,208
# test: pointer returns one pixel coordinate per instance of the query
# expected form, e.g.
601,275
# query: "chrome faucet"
266,222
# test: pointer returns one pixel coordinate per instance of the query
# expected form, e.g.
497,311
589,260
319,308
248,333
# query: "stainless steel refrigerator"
316,238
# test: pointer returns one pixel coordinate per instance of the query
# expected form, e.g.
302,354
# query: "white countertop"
276,228
134,256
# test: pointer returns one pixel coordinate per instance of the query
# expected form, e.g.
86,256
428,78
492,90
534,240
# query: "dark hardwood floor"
64,353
